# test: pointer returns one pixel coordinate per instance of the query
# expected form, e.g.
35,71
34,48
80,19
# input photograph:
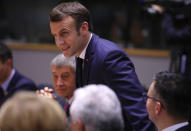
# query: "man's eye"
65,77
55,76
64,33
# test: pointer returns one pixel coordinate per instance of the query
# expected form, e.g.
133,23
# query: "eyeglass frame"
146,97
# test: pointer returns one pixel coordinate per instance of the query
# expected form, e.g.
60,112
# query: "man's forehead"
61,72
66,21
60,27
151,87
66,68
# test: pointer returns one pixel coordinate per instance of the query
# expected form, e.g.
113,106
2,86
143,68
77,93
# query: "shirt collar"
82,55
70,100
6,83
176,126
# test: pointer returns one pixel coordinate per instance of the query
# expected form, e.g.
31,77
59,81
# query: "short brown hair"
74,9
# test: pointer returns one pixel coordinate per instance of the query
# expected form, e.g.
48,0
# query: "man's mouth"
64,49
61,88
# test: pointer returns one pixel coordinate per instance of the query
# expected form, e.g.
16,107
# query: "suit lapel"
88,60
13,81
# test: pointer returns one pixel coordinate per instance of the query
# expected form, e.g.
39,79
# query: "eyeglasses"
146,97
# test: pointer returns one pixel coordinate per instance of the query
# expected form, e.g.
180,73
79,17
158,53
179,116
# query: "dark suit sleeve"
18,83
26,84
120,75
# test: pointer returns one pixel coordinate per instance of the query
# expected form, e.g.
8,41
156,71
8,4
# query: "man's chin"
66,54
63,96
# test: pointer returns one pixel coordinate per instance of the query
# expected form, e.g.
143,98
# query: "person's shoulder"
105,46
20,80
22,77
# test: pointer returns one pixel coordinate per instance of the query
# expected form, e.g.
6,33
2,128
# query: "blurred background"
124,22
138,26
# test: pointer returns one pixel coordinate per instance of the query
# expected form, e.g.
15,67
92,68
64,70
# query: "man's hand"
46,92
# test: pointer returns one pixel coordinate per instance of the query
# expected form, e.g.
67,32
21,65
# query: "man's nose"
59,82
59,40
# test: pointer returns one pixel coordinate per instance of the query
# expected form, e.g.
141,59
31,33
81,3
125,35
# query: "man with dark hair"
99,61
11,80
168,102
63,78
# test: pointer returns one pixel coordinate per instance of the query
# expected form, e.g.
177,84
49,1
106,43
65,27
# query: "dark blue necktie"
79,72
1,92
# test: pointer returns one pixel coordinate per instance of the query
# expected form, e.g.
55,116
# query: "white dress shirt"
175,127
82,55
6,83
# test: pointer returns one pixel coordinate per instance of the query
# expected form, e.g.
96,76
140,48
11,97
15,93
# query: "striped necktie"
66,108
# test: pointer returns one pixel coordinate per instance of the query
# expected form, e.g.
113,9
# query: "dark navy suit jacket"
18,83
106,63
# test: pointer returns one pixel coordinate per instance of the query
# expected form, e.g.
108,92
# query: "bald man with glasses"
168,102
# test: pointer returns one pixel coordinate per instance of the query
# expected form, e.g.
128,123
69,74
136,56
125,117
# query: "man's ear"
9,62
158,108
84,27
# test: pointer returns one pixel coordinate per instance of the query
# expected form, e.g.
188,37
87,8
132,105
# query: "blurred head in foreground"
96,108
26,111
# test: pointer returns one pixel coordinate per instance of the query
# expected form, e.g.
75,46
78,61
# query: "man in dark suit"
11,80
168,102
63,78
103,62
